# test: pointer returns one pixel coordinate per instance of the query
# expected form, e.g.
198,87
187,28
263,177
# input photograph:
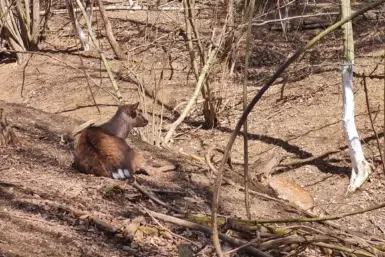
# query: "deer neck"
119,125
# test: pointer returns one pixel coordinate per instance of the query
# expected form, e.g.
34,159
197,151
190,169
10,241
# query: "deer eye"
133,115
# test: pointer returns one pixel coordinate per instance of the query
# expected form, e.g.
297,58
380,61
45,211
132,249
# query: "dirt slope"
306,122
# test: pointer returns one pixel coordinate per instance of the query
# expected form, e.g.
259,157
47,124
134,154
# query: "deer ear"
135,106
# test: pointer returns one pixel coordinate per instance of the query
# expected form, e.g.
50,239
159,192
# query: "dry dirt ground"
42,99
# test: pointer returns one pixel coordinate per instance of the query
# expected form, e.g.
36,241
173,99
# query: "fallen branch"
154,198
85,106
209,155
290,220
101,224
233,241
294,239
361,75
81,127
160,191
308,160
166,229
355,252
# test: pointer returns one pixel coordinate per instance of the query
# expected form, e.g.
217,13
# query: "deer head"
133,116
125,119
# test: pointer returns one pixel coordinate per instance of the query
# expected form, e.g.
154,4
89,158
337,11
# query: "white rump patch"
127,173
121,174
115,175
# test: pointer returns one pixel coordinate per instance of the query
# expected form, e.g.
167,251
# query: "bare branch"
110,35
103,57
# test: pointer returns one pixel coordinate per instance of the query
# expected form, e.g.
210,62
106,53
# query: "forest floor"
37,181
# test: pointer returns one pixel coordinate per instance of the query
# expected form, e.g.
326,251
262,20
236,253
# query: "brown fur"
103,151
100,153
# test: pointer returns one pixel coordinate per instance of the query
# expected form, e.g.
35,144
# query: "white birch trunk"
361,169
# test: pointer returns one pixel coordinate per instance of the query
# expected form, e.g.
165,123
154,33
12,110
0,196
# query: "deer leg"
142,165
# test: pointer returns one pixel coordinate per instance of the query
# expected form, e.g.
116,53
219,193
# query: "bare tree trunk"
110,35
198,87
23,28
15,34
102,56
209,110
35,25
361,168
76,26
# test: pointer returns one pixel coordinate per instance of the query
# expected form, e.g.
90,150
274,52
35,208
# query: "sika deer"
103,151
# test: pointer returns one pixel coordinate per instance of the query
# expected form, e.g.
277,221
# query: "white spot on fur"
115,175
127,173
121,174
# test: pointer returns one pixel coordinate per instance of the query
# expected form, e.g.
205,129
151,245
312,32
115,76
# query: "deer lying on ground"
103,151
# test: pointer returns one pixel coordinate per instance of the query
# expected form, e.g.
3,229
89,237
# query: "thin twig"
262,23
308,160
102,224
23,80
168,230
88,82
317,219
148,92
85,106
103,57
245,142
372,123
5,168
294,239
202,78
242,246
110,35
154,198
354,252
